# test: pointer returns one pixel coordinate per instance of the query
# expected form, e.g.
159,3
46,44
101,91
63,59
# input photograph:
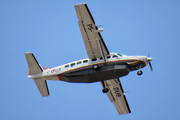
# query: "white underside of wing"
117,96
93,41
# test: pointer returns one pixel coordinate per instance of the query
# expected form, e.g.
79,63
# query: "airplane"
100,66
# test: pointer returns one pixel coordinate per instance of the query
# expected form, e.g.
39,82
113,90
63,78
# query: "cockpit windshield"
120,54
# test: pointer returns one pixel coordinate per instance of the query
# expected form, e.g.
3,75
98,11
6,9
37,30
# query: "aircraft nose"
149,59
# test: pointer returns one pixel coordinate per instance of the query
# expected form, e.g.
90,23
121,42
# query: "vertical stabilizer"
33,64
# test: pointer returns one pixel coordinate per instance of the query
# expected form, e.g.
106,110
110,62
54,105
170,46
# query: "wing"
117,96
93,40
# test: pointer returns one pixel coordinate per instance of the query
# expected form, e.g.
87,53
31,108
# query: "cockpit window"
114,56
121,54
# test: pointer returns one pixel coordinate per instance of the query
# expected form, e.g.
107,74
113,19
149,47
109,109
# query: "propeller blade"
150,66
150,59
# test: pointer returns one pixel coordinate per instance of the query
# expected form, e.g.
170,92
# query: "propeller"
150,59
150,66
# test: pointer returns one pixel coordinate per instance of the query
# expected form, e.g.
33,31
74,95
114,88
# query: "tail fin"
34,68
33,64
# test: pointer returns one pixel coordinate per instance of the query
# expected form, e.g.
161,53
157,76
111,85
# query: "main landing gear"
140,72
95,67
104,90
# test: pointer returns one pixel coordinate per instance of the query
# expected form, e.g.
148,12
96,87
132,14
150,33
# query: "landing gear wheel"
95,67
105,90
140,72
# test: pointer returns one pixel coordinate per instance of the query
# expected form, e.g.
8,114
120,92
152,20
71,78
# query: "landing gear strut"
140,72
104,90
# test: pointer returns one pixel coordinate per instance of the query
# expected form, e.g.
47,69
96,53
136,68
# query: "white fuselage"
56,72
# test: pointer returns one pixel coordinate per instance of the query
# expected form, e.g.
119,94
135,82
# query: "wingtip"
28,53
80,4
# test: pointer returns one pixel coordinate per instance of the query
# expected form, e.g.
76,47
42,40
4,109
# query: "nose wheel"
140,72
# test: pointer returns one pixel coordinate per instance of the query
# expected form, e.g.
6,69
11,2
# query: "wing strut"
102,53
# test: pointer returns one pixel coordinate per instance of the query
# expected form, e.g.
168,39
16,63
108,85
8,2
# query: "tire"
105,90
140,72
95,67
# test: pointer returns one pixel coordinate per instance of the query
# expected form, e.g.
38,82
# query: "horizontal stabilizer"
33,64
42,86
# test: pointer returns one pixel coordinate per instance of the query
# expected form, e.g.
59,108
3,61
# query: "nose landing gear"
140,72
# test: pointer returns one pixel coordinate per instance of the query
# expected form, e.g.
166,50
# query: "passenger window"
73,64
101,58
78,62
114,56
94,59
85,61
108,57
66,66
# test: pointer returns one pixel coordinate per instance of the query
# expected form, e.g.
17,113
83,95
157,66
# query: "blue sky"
50,30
